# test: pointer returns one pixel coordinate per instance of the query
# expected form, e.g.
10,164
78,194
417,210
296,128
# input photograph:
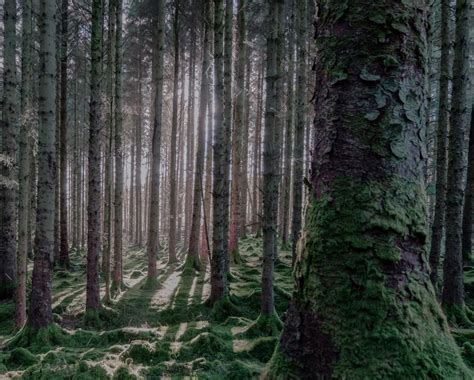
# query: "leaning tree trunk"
94,198
40,313
174,130
441,142
63,238
24,167
453,281
154,210
220,181
362,295
193,250
8,164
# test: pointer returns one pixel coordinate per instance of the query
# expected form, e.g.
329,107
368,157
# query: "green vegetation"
147,332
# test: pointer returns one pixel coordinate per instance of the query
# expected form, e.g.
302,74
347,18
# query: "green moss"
143,352
265,325
123,373
20,358
262,348
136,274
343,274
207,345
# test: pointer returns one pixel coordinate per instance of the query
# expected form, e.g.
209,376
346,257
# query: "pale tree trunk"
220,170
453,282
237,137
286,188
441,142
271,155
118,205
154,209
131,220
300,120
181,155
174,129
63,224
8,158
193,249
94,198
24,167
40,313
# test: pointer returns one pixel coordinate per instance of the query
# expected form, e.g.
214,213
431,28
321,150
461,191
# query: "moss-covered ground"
167,332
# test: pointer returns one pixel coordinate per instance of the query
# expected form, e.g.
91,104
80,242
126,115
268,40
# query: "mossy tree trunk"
154,209
362,295
467,218
453,282
94,197
441,142
40,313
193,249
8,157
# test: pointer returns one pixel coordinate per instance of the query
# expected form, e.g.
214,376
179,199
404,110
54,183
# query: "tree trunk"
442,142
8,159
153,224
286,188
453,282
24,167
271,156
40,313
94,198
362,297
300,120
257,156
193,250
131,213
468,201
220,170
118,221
138,156
174,130
63,238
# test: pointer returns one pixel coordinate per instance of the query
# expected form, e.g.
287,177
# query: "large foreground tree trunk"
40,312
362,295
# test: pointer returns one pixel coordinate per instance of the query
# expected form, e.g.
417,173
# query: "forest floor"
167,332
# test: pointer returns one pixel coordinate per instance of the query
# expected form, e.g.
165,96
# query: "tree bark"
441,142
94,198
174,130
153,224
193,250
453,281
63,238
362,294
27,112
40,313
8,158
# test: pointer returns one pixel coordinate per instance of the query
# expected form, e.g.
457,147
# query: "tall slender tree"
63,154
94,197
8,158
453,282
193,250
158,63
40,312
174,130
441,142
